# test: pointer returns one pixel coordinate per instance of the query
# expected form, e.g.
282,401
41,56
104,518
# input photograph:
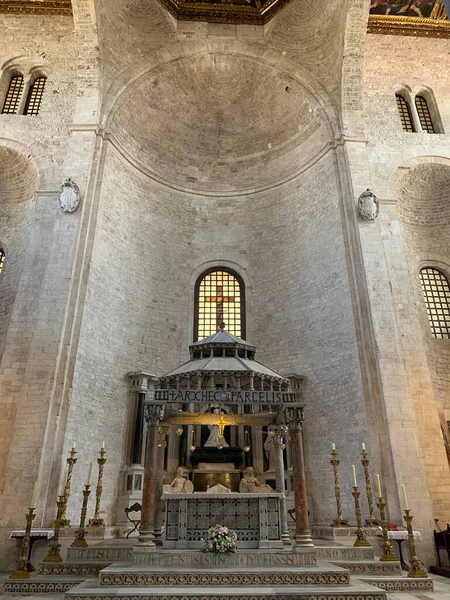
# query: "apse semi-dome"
219,122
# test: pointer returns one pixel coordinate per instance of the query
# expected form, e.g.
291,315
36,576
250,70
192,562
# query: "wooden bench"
442,542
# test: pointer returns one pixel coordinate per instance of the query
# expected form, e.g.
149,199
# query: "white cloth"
19,533
399,535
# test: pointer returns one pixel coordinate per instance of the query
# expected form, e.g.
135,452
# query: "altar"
256,518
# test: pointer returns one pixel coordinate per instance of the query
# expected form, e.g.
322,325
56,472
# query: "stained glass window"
13,95
220,297
424,115
34,98
405,114
436,292
2,259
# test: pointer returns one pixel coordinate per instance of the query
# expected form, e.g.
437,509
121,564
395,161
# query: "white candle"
88,482
354,476
73,445
333,446
103,444
63,484
33,499
380,495
405,499
363,446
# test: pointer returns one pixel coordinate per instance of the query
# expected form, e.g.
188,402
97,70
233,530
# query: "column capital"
141,381
153,414
294,416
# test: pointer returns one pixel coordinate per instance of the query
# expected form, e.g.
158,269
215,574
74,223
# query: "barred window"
436,293
219,297
2,259
13,95
424,114
405,113
34,97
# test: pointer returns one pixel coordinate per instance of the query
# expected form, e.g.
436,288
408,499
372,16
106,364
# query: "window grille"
34,98
13,95
424,114
436,293
2,259
405,114
219,296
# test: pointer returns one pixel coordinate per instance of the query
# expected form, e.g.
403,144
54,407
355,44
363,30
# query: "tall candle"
88,482
33,499
354,476
363,446
405,499
333,446
63,484
73,445
103,444
380,495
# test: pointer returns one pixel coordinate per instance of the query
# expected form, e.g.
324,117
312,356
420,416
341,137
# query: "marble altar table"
256,518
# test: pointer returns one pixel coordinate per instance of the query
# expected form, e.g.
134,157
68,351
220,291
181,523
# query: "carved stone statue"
69,196
368,206
269,449
181,483
250,485
214,440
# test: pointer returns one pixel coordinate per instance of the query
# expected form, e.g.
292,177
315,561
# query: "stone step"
370,567
400,584
38,584
121,574
77,569
332,553
357,591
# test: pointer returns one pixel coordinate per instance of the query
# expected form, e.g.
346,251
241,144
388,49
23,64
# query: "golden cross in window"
219,299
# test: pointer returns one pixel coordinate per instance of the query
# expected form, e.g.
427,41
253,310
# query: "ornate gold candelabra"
416,569
361,539
372,521
23,567
80,534
388,551
54,554
96,521
71,463
340,521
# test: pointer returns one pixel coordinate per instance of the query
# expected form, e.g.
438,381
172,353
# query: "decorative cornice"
417,26
45,7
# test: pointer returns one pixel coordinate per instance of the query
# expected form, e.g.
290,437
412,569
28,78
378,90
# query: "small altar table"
399,537
256,518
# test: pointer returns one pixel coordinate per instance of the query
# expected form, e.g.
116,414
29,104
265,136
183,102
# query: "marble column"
280,482
153,417
163,431
294,417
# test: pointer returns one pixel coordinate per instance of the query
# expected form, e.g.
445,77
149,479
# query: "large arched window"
436,293
405,113
424,114
219,296
13,95
34,97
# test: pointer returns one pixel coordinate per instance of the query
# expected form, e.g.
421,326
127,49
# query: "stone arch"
403,161
18,183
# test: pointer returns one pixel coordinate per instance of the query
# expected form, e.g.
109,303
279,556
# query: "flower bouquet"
221,540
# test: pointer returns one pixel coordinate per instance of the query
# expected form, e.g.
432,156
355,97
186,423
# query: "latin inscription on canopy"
230,397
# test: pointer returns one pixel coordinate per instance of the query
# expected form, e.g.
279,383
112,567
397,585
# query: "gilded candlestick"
372,521
96,521
54,554
416,569
361,539
71,463
388,551
23,567
80,534
340,521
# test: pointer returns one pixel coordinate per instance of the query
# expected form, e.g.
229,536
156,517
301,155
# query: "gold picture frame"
53,7
436,25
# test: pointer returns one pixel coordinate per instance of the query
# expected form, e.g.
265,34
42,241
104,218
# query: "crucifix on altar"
219,299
